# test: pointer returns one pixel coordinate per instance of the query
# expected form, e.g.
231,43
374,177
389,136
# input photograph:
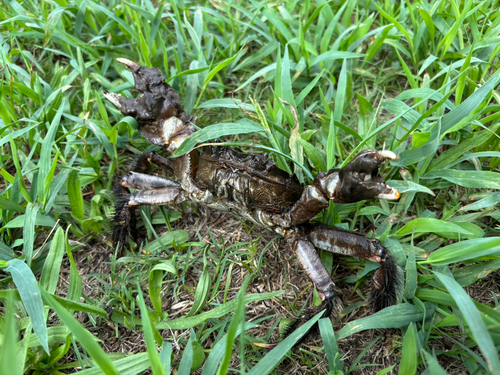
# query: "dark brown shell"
252,176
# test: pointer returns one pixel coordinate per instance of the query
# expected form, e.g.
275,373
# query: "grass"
418,78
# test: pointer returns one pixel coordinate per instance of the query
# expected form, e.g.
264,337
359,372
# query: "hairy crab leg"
386,280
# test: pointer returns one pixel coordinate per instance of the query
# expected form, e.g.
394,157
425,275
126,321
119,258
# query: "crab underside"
252,187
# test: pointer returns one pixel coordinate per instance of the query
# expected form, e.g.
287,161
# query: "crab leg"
154,158
311,262
386,279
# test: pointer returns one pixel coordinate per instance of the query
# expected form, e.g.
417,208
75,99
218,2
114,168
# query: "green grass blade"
9,348
391,317
30,219
29,291
154,356
215,131
156,281
478,329
465,250
202,292
75,196
409,362
330,343
469,179
86,339
193,321
131,365
275,356
52,266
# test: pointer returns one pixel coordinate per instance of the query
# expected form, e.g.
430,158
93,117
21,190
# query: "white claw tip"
129,64
391,195
386,154
113,98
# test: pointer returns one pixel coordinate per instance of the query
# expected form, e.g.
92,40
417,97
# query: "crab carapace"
252,187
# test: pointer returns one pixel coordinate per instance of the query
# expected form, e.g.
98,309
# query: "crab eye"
361,176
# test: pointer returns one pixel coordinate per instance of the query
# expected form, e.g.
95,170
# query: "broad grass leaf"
7,204
56,334
131,365
408,365
476,324
429,225
211,74
236,321
202,292
165,241
468,179
391,317
276,355
29,291
491,200
215,356
409,186
474,230
45,162
226,103
193,321
411,276
448,157
85,338
156,279
166,356
198,356
413,156
147,327
10,334
469,105
433,365
215,131
186,360
335,55
259,73
18,133
6,253
330,343
52,266
75,196
313,154
29,230
286,81
465,250
400,27
191,89
428,22
80,306
470,274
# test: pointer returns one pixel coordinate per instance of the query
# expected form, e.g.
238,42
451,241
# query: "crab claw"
359,179
158,111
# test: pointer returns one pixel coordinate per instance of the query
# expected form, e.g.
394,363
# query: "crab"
252,187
